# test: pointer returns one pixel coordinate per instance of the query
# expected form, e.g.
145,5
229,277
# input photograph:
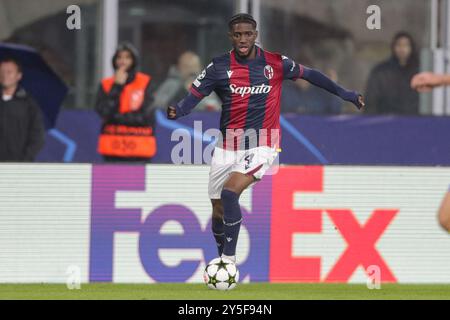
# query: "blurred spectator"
124,103
388,89
302,97
179,81
21,124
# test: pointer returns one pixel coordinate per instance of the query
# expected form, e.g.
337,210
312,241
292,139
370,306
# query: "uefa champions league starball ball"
221,274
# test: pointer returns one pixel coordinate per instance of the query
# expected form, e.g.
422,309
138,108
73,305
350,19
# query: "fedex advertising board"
143,224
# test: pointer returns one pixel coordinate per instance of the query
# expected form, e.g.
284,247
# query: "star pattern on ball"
222,264
231,280
212,280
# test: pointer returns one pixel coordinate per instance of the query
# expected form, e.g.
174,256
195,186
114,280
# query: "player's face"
243,37
9,74
402,49
124,60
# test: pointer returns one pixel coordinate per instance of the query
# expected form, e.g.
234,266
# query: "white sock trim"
232,258
230,224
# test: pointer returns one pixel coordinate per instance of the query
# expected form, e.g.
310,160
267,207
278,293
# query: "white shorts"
255,161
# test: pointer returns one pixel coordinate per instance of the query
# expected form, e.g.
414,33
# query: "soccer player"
248,80
425,82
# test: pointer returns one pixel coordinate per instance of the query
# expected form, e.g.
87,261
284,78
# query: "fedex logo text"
271,224
287,221
107,220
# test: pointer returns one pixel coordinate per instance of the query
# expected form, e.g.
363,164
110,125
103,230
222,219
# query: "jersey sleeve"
205,82
291,69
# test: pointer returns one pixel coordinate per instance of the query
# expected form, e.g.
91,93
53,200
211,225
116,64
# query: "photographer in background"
21,124
124,103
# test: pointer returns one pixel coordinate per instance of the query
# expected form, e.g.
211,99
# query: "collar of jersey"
259,54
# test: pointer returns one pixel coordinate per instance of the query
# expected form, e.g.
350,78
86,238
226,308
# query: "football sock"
232,219
219,235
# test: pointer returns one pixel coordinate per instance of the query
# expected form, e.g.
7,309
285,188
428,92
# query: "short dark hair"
12,60
241,17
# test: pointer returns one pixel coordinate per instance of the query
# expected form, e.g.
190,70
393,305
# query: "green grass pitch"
263,291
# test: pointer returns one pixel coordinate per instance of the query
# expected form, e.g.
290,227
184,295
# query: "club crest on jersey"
268,72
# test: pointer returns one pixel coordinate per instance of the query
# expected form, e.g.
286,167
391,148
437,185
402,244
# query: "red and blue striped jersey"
250,91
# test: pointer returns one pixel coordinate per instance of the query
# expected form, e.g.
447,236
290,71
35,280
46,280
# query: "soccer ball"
221,274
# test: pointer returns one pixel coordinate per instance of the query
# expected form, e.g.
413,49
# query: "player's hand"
360,102
121,76
171,113
425,81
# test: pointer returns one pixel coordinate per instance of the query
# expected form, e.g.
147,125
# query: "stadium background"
352,190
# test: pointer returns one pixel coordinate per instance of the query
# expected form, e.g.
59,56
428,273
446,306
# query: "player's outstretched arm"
183,108
319,79
426,81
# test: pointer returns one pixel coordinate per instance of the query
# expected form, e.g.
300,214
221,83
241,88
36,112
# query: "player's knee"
228,196
230,201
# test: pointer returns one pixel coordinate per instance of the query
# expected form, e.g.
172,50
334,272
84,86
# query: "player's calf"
217,224
231,220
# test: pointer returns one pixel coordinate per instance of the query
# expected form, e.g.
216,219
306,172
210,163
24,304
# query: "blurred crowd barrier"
341,139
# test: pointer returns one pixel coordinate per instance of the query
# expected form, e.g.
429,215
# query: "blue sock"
219,235
232,219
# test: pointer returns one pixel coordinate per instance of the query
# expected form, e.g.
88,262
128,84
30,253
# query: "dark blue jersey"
249,89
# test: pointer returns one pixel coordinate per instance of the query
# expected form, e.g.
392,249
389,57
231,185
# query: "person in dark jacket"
21,124
124,104
388,89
